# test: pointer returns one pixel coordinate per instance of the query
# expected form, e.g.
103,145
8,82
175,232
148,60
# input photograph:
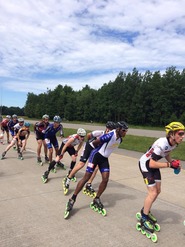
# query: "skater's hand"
175,164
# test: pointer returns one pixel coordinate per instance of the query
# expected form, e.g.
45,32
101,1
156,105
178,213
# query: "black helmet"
110,125
122,125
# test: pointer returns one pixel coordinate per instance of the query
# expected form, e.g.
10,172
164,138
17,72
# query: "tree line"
151,99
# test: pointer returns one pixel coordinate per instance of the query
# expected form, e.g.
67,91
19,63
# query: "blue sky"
74,43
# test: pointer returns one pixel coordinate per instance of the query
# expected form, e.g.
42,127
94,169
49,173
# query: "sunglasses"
124,130
82,136
181,133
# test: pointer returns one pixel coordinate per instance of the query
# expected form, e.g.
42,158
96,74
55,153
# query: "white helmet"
81,132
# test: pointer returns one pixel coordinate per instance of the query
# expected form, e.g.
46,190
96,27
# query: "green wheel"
95,209
138,215
104,212
91,205
65,191
84,190
66,214
154,238
138,226
157,227
143,231
94,194
148,235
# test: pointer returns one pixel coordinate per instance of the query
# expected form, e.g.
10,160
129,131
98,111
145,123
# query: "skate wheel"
44,180
157,227
104,212
66,214
65,191
154,238
143,231
94,194
138,226
84,190
148,235
138,215
91,205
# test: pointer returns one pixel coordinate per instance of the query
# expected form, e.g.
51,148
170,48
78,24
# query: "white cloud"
47,41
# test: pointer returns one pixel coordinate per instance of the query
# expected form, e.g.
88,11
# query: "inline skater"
149,166
17,127
105,145
40,128
11,125
68,145
4,127
22,137
50,135
88,147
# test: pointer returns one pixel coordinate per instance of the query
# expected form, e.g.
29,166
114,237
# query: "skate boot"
69,207
73,178
66,183
3,155
97,206
39,161
60,165
45,177
46,159
89,191
20,156
151,218
147,228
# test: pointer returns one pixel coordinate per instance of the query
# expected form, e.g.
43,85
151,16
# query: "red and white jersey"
95,134
76,141
160,148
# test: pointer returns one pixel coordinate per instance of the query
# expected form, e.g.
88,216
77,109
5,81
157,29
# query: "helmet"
110,125
20,119
27,124
8,116
81,132
122,125
45,116
173,126
57,119
14,116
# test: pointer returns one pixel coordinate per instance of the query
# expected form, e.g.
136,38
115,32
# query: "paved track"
31,213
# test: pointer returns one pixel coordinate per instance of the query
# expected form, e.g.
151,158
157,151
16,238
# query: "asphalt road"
31,213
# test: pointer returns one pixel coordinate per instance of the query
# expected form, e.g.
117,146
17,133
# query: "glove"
175,164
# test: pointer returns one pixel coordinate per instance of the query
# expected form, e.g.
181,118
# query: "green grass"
137,143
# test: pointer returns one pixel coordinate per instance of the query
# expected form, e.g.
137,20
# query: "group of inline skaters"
95,152
16,129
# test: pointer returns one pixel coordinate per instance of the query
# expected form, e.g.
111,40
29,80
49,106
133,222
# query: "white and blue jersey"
50,135
99,156
51,131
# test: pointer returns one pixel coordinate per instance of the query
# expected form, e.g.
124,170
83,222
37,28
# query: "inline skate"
89,191
73,178
3,155
20,156
60,165
39,161
46,159
45,177
97,206
151,218
65,183
69,207
147,228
